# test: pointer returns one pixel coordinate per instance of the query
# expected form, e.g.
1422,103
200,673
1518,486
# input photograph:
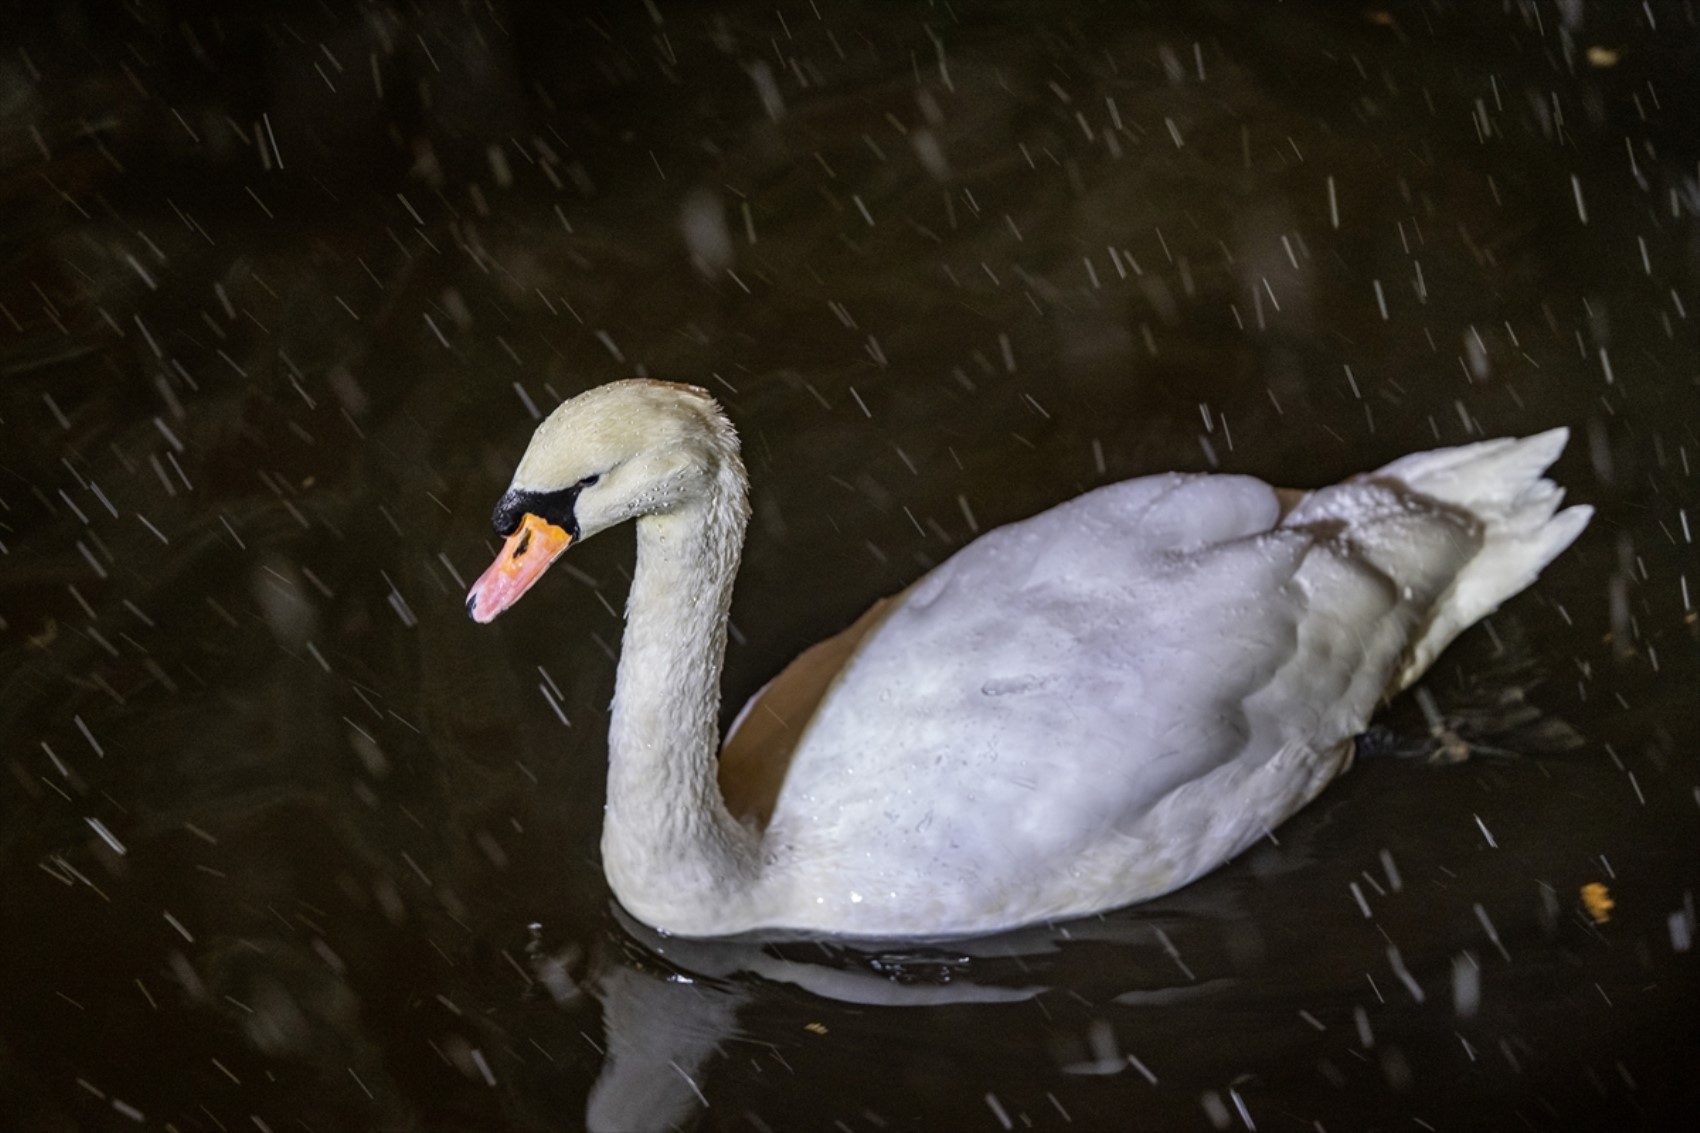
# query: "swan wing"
756,756
763,738
1024,718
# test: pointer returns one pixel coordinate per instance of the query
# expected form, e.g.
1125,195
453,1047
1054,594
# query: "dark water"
282,287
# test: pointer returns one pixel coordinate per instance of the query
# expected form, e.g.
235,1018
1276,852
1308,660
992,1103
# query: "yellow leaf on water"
1596,898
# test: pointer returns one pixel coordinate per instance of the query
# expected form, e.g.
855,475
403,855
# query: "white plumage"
1088,708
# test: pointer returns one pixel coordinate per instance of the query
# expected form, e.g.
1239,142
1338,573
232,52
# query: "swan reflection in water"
669,1004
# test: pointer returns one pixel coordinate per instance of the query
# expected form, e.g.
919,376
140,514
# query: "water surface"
288,842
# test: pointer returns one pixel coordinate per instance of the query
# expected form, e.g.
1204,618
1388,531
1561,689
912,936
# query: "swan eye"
589,480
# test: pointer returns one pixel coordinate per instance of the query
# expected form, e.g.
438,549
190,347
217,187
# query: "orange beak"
525,556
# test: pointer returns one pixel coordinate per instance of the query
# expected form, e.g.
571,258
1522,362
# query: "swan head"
617,452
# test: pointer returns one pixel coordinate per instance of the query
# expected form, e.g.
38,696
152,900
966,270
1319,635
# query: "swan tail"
1500,483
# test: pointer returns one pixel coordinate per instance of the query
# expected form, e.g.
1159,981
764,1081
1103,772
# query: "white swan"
1078,711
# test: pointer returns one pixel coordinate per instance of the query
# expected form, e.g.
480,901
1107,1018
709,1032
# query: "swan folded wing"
1047,682
1006,724
762,740
1360,591
1091,537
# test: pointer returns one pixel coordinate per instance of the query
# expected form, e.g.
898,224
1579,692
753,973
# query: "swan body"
1081,710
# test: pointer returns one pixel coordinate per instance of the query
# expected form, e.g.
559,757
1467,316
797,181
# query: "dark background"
282,284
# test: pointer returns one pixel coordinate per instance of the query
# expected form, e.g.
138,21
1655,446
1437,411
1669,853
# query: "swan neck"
668,839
